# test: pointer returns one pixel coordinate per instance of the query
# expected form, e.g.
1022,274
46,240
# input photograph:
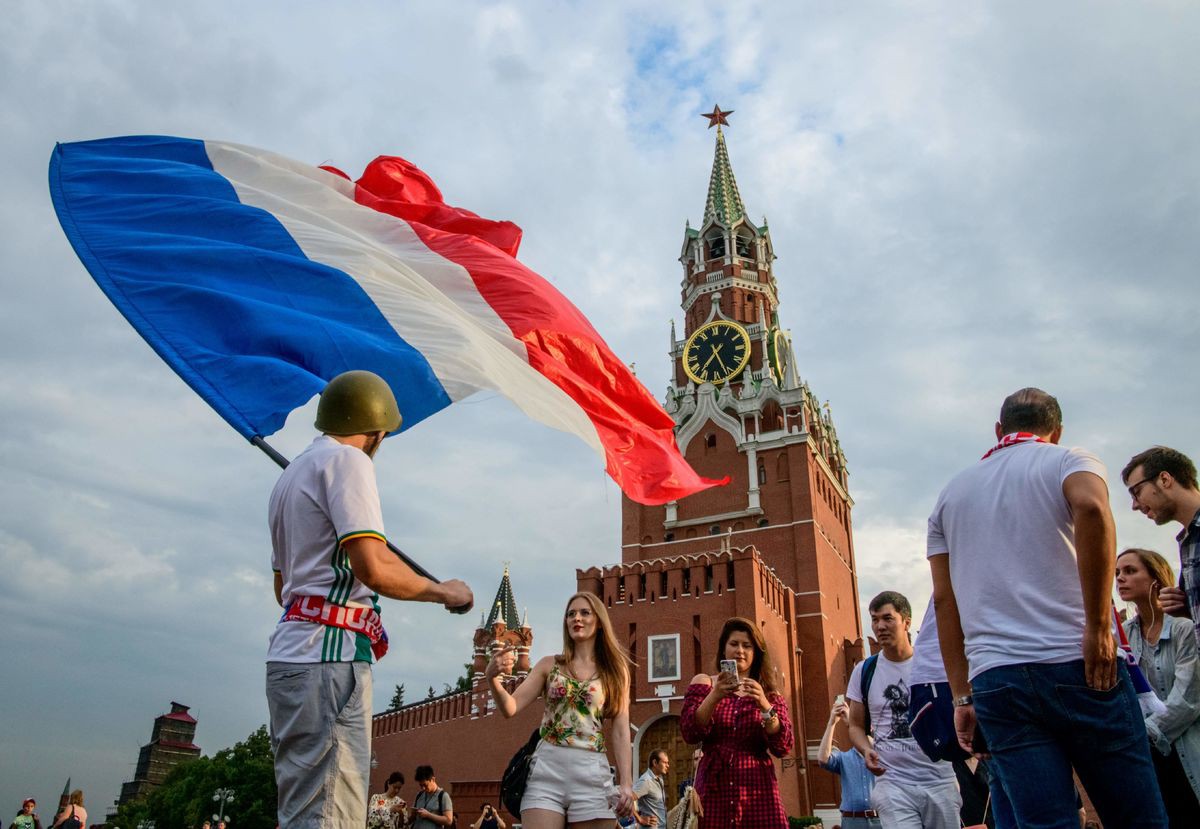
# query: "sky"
965,199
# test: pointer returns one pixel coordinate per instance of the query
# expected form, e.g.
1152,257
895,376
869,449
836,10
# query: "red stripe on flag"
637,434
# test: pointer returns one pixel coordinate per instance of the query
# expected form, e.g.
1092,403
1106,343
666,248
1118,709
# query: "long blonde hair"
612,663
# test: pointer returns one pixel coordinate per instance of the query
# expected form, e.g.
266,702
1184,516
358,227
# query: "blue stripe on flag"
219,289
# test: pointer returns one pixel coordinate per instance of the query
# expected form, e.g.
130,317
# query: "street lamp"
222,797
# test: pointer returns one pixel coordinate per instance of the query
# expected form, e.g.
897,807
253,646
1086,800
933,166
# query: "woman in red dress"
739,717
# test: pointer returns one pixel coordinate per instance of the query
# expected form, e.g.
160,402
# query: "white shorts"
574,782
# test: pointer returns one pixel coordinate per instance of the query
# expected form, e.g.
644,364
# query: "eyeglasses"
1133,489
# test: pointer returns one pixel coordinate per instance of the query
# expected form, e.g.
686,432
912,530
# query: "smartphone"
840,699
979,742
729,666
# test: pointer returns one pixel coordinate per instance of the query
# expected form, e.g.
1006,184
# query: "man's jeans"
903,806
1040,720
321,736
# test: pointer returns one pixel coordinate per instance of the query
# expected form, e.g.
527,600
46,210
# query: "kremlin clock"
779,355
716,352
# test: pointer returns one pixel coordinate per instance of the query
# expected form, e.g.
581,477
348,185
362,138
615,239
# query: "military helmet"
357,403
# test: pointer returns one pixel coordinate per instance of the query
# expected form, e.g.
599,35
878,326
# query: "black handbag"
516,776
71,822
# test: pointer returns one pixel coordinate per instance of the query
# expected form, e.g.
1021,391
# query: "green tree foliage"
185,798
464,682
397,698
432,694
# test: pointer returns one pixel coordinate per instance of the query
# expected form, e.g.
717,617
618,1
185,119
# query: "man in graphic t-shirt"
27,818
1022,549
911,791
331,563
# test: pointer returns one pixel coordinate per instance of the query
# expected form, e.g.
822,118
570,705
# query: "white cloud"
963,200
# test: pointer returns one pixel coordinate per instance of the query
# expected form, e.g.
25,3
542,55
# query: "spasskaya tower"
742,409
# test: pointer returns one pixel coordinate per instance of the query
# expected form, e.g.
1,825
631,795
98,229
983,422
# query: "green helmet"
357,403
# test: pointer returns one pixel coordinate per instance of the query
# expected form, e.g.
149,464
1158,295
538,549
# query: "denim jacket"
1173,670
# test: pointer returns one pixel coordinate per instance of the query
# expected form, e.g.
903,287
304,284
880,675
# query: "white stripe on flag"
430,301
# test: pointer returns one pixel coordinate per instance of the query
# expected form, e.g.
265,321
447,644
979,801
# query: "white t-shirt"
902,758
1011,539
927,664
325,497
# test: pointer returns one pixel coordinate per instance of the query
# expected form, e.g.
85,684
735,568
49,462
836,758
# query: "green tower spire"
724,201
504,609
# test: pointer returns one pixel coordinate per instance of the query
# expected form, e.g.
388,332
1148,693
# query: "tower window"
715,529
762,473
762,522
710,441
687,580
669,537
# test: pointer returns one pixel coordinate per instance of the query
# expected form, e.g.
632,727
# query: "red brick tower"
501,628
742,410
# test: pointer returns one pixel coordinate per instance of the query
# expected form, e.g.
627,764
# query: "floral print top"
573,711
380,814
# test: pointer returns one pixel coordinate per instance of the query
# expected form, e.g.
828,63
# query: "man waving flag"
258,278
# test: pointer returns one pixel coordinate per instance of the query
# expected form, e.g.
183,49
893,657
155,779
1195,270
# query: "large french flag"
258,278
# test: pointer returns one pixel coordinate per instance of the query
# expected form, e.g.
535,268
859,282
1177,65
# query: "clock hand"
711,357
724,367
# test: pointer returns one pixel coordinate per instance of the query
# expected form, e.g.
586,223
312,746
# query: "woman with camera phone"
741,719
569,781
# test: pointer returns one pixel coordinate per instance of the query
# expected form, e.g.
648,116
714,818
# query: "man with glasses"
1022,548
1162,485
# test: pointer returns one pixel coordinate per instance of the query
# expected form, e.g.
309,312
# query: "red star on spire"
717,116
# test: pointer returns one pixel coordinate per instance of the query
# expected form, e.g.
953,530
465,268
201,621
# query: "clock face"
716,352
779,362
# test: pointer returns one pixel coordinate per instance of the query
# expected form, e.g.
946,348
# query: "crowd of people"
1013,688
1016,684
71,815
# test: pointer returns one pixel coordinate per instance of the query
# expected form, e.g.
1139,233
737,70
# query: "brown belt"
867,813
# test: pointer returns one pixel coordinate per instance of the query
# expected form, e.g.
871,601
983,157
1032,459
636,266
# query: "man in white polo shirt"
911,791
331,564
1022,548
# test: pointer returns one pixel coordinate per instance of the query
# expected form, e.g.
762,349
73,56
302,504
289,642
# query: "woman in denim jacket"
1165,649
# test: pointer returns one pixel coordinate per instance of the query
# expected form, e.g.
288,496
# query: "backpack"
442,810
868,673
516,775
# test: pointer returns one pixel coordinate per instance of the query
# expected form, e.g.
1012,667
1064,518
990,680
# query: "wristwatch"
768,715
965,699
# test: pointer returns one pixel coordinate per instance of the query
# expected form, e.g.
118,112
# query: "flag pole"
283,462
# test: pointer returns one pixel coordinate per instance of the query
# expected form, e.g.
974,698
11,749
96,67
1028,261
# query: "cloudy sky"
964,198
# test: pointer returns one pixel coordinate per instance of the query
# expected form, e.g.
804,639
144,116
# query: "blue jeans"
999,805
1042,720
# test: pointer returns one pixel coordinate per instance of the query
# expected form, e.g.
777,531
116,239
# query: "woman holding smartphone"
569,782
740,718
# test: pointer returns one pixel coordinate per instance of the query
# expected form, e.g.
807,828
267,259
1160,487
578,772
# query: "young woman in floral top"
387,809
570,783
739,719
